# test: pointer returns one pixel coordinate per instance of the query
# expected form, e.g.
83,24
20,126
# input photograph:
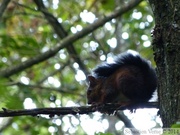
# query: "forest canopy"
47,49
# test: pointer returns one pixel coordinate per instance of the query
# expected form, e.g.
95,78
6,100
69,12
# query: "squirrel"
129,79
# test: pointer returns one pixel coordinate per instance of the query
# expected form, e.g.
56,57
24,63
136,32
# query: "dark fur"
140,86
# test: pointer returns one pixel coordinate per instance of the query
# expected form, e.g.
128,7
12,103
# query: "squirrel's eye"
89,92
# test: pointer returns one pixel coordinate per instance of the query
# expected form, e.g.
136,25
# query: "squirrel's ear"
92,80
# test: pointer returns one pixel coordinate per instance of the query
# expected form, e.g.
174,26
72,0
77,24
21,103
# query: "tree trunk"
166,46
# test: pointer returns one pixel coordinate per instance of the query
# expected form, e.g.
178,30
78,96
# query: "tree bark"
166,46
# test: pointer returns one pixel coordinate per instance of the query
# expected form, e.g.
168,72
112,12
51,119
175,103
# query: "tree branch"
62,33
106,108
3,6
61,90
66,41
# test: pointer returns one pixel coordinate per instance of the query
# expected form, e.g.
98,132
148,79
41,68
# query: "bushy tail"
144,90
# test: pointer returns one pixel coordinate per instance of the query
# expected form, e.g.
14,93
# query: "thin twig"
25,6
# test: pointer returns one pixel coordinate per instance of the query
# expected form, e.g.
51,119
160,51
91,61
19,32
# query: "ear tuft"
92,80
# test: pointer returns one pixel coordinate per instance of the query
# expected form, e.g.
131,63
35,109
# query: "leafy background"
61,80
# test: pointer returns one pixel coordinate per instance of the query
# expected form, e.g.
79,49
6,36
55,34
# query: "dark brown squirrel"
129,79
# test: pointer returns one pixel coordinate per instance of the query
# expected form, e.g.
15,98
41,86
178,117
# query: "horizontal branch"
68,40
105,108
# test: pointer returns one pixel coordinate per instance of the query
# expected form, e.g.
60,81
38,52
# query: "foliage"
100,133
60,80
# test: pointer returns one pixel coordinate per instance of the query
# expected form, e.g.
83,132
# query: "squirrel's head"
94,91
